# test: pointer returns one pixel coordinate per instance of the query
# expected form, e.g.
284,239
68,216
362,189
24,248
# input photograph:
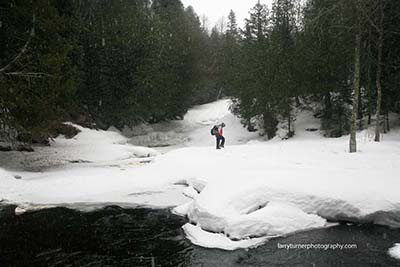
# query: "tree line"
132,61
115,62
341,55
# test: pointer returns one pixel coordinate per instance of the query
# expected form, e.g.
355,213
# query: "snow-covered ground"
237,197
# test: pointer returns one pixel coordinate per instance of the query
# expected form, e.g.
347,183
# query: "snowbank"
249,229
395,251
100,146
279,188
87,147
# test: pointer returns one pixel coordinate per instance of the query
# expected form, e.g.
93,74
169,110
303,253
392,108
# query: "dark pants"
220,141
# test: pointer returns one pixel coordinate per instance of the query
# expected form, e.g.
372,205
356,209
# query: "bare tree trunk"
219,93
270,123
297,101
369,82
360,114
289,117
378,79
387,125
356,85
369,92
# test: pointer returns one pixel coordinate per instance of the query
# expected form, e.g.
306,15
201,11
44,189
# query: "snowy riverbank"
237,197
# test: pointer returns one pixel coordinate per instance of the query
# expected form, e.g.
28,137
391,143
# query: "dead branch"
28,74
23,50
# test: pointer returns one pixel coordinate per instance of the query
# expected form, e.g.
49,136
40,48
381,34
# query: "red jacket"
220,131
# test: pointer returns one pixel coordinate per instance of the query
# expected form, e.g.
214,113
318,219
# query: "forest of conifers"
125,62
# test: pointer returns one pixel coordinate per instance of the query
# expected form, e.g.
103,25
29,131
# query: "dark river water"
143,237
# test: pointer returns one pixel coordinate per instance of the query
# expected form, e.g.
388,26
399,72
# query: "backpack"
214,130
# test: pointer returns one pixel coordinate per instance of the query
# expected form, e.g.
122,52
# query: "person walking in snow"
220,139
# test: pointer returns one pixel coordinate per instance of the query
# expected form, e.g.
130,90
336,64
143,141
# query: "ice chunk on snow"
19,211
214,240
395,251
183,209
275,219
23,208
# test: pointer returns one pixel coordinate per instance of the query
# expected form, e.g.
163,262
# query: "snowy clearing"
194,130
237,197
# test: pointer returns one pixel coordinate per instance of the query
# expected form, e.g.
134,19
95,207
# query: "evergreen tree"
325,63
283,55
37,76
257,26
230,57
252,77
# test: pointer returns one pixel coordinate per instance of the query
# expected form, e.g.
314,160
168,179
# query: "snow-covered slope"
194,129
236,197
